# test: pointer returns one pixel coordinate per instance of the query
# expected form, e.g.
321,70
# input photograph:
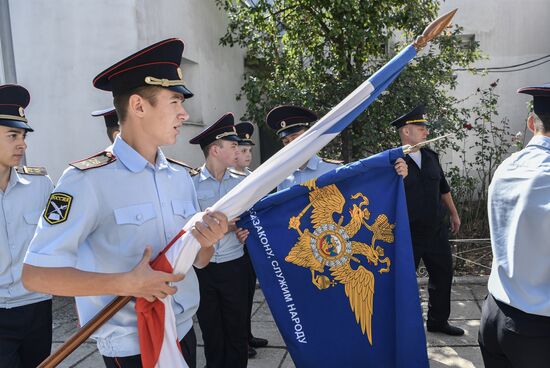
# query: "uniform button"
139,217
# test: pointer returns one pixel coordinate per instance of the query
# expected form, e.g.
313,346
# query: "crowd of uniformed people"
93,235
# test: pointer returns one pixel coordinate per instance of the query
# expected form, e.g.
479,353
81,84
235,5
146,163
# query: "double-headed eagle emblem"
331,244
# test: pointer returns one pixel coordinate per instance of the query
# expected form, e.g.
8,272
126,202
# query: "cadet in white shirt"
223,283
515,318
245,130
290,122
25,316
110,213
111,122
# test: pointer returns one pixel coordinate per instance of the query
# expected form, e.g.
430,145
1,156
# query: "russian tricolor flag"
158,338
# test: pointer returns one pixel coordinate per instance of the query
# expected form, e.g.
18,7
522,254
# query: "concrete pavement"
444,351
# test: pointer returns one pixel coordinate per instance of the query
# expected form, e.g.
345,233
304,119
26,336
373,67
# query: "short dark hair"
111,130
121,101
542,123
206,150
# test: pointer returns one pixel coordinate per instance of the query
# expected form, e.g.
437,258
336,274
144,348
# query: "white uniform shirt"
417,158
116,211
315,167
519,220
209,190
21,205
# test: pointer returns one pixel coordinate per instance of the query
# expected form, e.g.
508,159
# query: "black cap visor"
182,90
16,124
291,129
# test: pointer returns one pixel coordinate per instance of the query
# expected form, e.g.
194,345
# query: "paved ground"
444,351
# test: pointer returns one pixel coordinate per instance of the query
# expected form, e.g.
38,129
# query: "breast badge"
331,244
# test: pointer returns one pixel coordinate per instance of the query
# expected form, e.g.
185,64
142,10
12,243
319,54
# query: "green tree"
313,53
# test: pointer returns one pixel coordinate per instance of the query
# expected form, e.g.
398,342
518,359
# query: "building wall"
509,32
61,45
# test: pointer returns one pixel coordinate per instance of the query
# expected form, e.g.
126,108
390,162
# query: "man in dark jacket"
428,193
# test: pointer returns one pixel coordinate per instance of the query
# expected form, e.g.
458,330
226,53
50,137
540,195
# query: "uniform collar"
133,160
540,140
313,163
15,178
205,174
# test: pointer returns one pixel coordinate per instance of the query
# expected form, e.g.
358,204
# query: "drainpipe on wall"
6,49
6,43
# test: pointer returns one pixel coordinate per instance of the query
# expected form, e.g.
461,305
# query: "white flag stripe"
170,355
266,177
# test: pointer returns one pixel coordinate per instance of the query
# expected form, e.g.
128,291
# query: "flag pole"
80,336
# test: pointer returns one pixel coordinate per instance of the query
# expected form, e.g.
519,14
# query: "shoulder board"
236,172
195,172
98,160
31,170
328,160
192,170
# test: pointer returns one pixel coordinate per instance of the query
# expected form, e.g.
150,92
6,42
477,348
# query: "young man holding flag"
110,213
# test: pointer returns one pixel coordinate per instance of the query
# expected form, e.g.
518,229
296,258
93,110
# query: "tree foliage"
313,53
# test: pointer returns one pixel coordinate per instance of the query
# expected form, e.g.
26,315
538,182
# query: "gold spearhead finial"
434,29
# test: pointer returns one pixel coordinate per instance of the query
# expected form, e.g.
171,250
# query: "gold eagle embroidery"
331,245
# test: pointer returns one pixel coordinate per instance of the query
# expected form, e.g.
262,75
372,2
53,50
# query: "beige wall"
509,32
61,45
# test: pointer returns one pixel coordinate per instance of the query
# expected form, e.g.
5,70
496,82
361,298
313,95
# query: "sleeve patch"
57,208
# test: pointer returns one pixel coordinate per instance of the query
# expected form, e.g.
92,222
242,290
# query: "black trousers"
511,338
251,291
439,265
223,313
188,349
25,335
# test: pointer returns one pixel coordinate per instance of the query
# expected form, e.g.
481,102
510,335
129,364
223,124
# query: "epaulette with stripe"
330,161
31,170
237,172
191,169
95,161
196,172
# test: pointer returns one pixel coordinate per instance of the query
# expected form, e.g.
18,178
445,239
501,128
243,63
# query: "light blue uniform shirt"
21,205
116,211
209,190
519,220
315,167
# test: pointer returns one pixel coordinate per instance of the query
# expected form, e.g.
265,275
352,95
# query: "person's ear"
531,123
136,105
